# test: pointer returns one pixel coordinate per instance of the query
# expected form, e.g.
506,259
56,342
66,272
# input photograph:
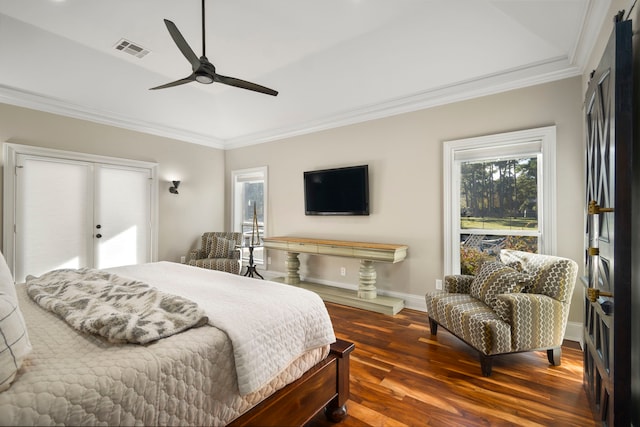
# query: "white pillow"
14,340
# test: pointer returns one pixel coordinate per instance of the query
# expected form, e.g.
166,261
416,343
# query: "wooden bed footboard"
325,386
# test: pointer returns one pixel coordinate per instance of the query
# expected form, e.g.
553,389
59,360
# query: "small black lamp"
174,189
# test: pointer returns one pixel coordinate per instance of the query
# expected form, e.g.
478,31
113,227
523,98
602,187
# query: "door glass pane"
53,218
123,212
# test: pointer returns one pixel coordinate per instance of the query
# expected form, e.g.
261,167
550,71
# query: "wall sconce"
174,189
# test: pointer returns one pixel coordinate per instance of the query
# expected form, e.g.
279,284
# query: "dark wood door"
607,314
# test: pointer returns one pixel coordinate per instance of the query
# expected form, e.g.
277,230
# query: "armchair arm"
537,321
196,254
458,283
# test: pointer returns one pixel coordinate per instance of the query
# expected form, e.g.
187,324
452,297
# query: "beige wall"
182,218
404,154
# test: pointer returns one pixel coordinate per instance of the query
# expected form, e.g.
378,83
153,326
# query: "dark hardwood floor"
402,376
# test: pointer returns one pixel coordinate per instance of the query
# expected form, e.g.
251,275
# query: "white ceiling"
334,62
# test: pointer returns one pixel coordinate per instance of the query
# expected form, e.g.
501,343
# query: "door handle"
606,305
593,294
595,209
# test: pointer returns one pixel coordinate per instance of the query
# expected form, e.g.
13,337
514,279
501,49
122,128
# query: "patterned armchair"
520,303
218,251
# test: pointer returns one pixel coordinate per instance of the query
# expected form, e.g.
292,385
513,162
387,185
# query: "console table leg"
293,264
367,286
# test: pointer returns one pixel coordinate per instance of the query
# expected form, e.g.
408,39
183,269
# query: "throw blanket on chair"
119,309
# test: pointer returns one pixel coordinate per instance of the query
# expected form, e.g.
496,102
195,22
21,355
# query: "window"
249,195
499,192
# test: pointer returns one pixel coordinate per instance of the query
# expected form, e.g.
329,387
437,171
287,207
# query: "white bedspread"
262,348
76,379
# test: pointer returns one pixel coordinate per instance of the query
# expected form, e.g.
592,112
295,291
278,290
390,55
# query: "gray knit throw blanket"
114,307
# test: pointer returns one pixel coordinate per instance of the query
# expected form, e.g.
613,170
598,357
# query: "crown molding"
592,22
533,74
34,101
516,78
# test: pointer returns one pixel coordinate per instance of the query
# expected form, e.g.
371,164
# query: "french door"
72,213
53,217
607,314
123,212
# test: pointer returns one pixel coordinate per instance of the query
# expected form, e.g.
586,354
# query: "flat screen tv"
341,191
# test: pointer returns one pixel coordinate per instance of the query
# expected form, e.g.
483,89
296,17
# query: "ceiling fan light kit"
204,78
203,70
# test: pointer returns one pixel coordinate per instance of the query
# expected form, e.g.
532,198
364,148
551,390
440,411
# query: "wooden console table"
366,297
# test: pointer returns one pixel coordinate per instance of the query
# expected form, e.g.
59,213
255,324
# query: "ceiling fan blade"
231,81
182,44
189,79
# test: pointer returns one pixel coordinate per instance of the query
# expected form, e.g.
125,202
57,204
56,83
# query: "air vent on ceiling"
131,48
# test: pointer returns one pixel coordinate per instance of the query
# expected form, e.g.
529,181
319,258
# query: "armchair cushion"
495,278
472,320
221,247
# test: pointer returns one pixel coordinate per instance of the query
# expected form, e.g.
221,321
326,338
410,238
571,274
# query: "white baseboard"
574,332
418,302
414,302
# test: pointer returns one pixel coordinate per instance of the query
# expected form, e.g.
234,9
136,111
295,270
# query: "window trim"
545,137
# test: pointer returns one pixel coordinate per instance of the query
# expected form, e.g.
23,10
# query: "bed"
198,376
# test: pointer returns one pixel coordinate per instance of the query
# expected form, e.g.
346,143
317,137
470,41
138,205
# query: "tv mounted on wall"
340,191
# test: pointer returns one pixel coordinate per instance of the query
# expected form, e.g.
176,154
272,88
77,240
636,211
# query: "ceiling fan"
203,70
